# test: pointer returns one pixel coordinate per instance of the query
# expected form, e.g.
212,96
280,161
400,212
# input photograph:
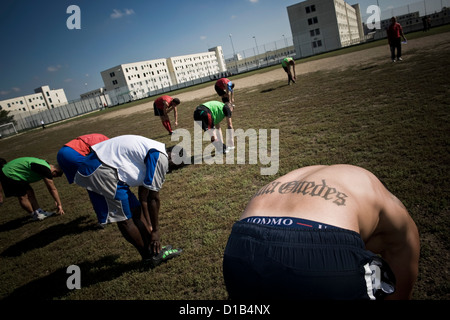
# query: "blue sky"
38,49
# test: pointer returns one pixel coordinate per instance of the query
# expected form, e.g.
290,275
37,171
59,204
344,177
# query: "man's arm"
175,115
54,193
230,135
397,240
150,202
143,195
293,69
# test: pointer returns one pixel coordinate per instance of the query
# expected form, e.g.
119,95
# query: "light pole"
234,53
257,50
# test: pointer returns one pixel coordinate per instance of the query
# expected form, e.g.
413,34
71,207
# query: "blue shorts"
275,262
69,160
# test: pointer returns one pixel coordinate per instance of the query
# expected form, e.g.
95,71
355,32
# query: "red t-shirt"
159,103
82,144
222,83
394,31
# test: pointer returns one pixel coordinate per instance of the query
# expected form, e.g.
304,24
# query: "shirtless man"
316,233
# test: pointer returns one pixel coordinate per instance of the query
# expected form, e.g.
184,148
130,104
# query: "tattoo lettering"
267,189
321,190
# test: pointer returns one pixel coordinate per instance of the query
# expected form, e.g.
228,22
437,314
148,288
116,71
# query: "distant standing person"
162,106
288,65
210,114
116,165
16,176
43,124
307,235
395,35
225,89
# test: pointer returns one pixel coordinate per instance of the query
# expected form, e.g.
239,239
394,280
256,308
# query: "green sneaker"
165,255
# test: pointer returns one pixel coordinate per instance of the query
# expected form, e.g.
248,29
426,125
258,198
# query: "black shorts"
219,90
13,188
203,114
275,262
158,112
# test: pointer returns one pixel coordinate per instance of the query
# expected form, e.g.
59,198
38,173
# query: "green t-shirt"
219,110
27,169
285,61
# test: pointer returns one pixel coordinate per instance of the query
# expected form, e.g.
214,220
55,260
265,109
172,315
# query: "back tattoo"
310,188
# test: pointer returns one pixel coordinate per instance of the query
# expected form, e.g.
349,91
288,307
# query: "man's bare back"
351,198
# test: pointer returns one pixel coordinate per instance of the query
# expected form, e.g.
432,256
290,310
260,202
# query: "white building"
43,99
194,66
135,80
324,25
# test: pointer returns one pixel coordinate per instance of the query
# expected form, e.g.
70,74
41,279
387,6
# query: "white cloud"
117,14
254,1
233,17
5,92
68,80
53,68
202,37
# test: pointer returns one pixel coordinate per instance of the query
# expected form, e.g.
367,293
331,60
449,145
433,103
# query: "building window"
310,9
316,44
112,74
312,21
315,32
114,82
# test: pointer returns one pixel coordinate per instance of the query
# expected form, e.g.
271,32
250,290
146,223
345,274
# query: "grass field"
392,119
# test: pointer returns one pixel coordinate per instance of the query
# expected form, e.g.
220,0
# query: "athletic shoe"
164,248
164,255
47,214
399,59
41,215
37,216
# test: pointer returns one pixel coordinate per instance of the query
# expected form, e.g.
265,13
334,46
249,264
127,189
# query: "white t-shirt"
126,154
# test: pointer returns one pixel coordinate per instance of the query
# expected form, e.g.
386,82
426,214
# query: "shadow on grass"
48,236
54,285
273,89
15,224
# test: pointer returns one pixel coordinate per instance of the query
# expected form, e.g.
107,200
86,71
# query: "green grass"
392,119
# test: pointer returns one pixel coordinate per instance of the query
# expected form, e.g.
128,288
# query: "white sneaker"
41,214
47,214
38,216
399,59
